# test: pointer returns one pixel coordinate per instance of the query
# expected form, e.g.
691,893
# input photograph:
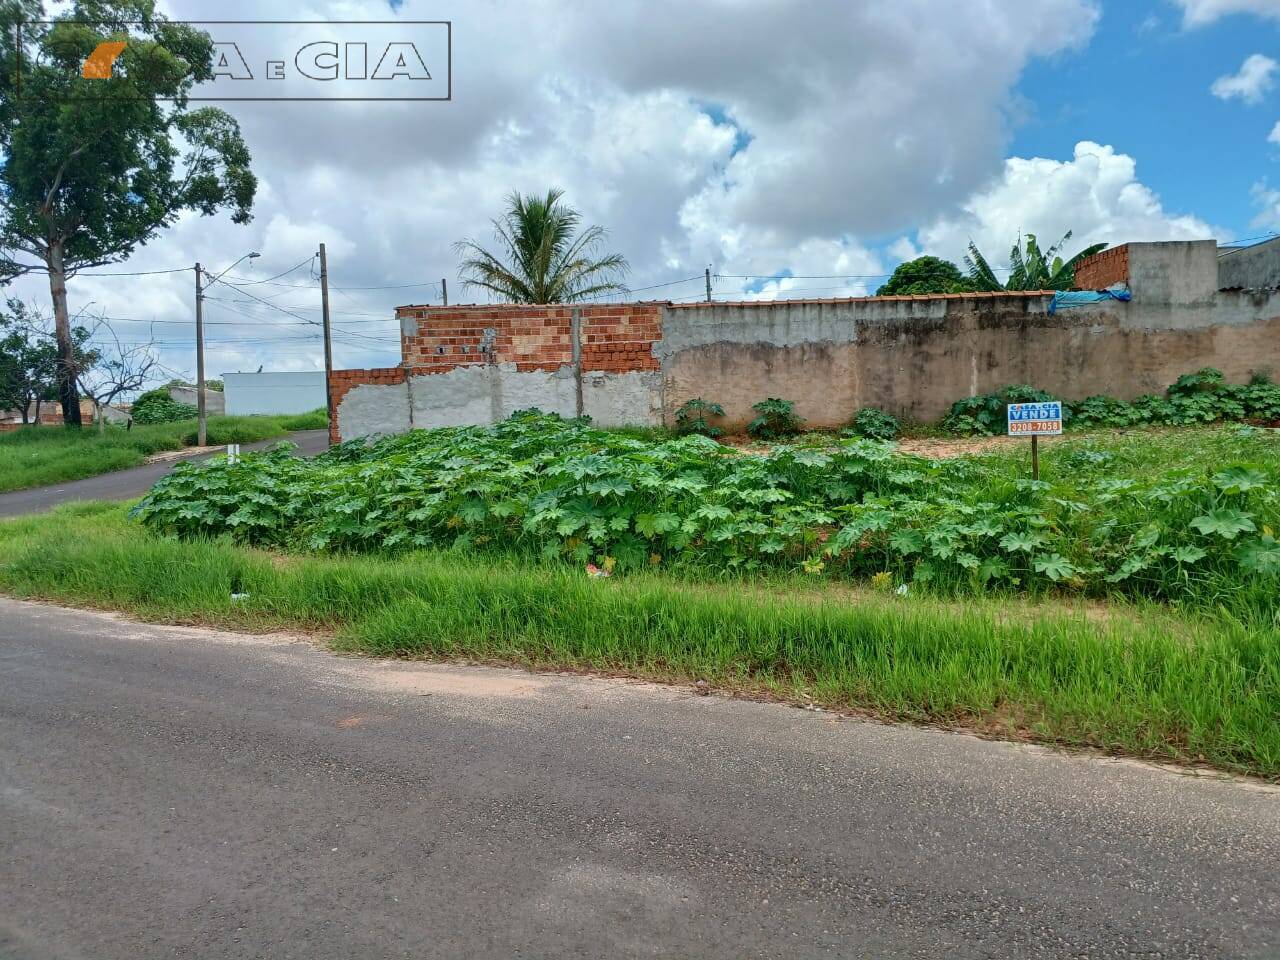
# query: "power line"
136,273
283,273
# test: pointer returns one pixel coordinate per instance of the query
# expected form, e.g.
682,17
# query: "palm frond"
980,272
540,259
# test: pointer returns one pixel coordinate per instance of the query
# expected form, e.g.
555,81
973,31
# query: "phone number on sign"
1036,426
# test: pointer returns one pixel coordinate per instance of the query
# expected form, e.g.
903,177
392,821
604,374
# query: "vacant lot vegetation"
1188,519
35,456
1130,679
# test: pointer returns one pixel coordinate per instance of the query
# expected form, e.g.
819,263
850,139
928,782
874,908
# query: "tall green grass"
1183,690
37,456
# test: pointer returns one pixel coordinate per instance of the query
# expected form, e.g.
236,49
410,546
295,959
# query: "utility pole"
202,432
328,342
444,291
708,284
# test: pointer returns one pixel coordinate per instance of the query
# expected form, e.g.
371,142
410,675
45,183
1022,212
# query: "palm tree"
1030,268
541,261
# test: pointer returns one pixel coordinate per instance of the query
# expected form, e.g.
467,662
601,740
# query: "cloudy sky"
798,148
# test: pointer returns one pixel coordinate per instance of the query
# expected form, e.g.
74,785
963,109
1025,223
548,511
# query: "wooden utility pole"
708,284
444,291
202,432
328,340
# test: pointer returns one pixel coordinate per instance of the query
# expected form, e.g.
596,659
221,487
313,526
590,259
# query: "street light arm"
248,256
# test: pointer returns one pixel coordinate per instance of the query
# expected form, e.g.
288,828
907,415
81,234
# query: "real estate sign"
1035,419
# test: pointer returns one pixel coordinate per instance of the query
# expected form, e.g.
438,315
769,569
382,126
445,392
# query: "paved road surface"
134,482
177,793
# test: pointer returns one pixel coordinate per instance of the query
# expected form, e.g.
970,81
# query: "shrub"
874,424
985,415
1194,398
1104,411
1201,535
156,406
692,417
774,419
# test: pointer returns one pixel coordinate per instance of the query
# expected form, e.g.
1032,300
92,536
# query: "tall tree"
926,275
541,260
91,169
1030,268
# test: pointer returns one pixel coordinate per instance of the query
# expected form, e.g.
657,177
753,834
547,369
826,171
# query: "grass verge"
1209,692
38,456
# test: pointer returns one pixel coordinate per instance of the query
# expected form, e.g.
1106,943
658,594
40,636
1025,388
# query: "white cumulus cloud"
1250,83
763,137
1198,13
1096,195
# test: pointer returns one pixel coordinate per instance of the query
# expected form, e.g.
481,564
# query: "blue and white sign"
1035,419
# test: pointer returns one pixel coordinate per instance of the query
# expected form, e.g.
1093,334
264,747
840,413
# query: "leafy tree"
926,275
29,358
27,364
1030,268
541,260
94,168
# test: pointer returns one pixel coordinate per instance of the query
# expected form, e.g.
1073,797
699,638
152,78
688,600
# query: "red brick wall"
615,338
343,381
620,339
1103,269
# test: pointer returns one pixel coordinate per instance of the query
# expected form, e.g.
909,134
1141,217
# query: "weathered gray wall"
1252,268
214,400
916,357
487,393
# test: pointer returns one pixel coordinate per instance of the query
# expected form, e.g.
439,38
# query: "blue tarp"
1079,298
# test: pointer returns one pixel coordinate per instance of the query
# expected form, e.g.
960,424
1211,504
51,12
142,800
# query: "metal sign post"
1035,420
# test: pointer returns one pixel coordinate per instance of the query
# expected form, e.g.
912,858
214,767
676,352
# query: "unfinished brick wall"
1103,269
614,338
343,382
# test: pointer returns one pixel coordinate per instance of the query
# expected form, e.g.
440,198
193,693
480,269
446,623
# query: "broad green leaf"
1026,542
1260,556
1225,523
1054,566
1240,480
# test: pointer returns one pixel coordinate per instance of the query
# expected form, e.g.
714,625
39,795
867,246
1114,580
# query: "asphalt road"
134,482
170,792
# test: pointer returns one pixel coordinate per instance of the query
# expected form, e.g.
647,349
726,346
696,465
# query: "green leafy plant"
1194,398
775,419
694,416
874,424
1030,267
156,406
564,490
985,415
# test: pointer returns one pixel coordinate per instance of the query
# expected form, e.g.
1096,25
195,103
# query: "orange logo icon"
99,63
